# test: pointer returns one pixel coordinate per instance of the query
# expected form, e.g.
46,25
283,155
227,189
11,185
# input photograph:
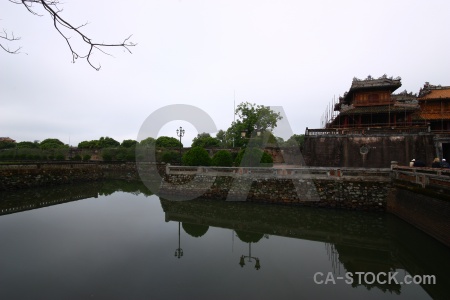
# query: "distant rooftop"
433,92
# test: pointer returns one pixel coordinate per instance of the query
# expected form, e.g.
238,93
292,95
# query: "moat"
114,239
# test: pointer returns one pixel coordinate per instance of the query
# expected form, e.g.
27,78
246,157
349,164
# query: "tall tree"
251,117
223,138
148,141
52,144
107,142
295,140
128,143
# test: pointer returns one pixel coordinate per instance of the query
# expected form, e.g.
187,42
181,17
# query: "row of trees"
249,157
107,142
251,118
44,145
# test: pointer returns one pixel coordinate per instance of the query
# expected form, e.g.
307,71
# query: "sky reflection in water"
122,245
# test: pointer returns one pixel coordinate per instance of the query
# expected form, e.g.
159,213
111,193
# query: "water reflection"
119,238
250,258
355,241
179,251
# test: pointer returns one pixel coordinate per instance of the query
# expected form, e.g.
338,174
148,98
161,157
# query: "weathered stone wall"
26,176
421,197
13,177
367,151
336,193
425,212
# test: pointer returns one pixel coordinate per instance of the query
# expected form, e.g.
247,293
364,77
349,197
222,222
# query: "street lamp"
179,251
180,134
245,131
250,257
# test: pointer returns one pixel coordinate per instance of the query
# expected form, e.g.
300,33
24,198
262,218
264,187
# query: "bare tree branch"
9,38
60,24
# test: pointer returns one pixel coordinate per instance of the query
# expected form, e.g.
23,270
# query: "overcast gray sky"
295,54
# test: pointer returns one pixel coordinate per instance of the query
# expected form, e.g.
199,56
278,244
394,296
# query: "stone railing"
373,129
423,177
282,172
47,165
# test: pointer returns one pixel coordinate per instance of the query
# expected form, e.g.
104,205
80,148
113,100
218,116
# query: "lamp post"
250,257
179,251
244,133
180,134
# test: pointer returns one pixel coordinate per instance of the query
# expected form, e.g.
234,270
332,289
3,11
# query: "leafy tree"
88,144
295,140
223,138
86,157
52,144
107,142
168,142
128,143
196,156
107,156
28,145
60,156
7,145
205,140
252,117
148,141
222,158
253,157
77,157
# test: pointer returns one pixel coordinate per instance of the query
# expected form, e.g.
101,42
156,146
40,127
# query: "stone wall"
333,192
14,176
421,197
367,151
26,176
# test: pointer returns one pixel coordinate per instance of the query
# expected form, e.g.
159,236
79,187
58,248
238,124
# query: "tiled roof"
370,83
436,94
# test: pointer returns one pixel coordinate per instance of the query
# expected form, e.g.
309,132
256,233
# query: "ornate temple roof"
433,92
370,83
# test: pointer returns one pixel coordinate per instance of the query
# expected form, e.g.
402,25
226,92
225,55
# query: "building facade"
370,126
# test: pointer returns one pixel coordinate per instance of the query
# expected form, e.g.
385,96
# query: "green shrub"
196,156
250,157
167,142
77,157
86,157
60,156
170,157
120,156
222,158
130,156
107,156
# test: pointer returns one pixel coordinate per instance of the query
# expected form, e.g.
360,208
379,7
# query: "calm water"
117,241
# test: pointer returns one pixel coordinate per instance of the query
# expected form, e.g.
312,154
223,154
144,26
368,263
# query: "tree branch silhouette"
62,25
